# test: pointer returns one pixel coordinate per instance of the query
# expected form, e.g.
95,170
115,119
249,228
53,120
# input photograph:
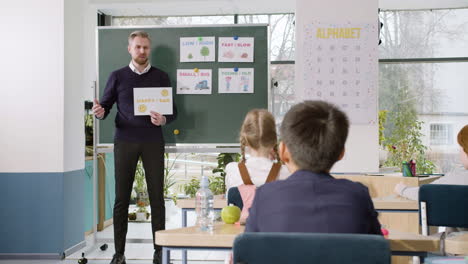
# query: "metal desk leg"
184,224
166,255
184,217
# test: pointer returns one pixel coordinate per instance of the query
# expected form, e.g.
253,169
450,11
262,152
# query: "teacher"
135,137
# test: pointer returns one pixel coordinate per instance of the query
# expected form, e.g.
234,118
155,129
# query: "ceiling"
220,7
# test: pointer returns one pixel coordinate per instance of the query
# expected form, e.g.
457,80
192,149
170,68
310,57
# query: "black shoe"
157,259
118,259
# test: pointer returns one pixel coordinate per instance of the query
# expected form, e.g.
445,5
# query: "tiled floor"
144,251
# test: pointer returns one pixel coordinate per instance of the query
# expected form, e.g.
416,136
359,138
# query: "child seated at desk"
310,200
458,176
258,136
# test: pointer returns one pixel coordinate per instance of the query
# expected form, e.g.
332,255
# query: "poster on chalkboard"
236,49
194,81
201,49
238,80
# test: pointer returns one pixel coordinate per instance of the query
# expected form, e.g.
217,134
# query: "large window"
282,76
282,32
424,34
422,85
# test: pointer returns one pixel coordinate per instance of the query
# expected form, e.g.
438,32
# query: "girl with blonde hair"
258,138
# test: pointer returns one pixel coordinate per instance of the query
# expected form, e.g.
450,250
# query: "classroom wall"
73,103
42,136
32,133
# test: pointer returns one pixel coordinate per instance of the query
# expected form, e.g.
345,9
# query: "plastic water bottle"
204,206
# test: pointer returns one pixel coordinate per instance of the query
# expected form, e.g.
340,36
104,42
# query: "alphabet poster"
235,49
236,80
194,81
201,49
340,66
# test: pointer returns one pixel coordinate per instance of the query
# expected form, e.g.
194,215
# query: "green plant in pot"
223,160
140,183
191,187
405,142
169,176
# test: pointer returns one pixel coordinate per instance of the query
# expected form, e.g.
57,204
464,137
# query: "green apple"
230,214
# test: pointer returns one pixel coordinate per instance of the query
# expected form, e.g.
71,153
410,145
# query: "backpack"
247,190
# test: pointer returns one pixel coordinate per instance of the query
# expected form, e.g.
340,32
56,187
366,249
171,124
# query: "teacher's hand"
157,119
98,110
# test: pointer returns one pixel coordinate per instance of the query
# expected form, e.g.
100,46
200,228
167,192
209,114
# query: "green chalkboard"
209,119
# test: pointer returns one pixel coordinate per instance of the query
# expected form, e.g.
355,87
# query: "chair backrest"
443,205
272,248
234,197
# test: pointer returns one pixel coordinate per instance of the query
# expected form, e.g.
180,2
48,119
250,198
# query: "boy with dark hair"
313,139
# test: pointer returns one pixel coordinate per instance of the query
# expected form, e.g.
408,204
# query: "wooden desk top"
384,185
457,243
389,202
223,236
401,241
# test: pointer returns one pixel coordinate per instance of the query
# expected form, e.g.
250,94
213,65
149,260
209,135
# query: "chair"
443,205
307,248
234,197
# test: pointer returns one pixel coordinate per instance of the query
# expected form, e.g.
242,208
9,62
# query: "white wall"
42,86
74,138
31,131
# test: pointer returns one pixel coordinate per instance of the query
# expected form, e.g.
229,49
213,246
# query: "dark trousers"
126,155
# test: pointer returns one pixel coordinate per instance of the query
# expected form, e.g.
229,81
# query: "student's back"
311,202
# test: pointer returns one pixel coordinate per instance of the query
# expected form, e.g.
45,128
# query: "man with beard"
135,137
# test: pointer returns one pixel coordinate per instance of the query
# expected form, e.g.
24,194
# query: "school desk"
223,235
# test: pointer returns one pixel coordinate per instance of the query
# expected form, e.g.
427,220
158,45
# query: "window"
441,134
282,47
424,34
283,98
282,34
422,84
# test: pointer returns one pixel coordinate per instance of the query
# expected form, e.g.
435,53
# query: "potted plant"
223,160
191,187
140,182
88,124
169,178
142,211
405,143
383,153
